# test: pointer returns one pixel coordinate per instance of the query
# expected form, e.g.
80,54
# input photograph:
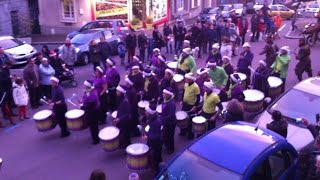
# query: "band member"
113,79
135,62
168,119
151,87
260,77
160,67
100,85
123,120
235,90
91,105
211,101
168,82
59,106
215,55
245,60
202,77
217,75
281,65
186,63
136,77
191,98
303,56
153,136
133,101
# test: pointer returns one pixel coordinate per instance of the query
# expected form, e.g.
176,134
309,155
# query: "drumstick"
4,95
69,101
42,100
251,69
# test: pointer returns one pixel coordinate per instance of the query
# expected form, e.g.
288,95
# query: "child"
122,52
21,98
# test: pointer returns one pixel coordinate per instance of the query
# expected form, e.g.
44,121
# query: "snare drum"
44,120
199,125
275,84
159,109
243,79
137,156
142,105
253,101
182,119
109,137
179,79
172,65
75,120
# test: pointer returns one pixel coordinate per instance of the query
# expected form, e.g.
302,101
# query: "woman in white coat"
21,98
226,47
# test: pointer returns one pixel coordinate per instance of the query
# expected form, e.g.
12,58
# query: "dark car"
209,14
226,10
114,25
82,41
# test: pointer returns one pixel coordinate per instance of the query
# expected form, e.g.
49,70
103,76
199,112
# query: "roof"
234,146
90,31
5,37
310,85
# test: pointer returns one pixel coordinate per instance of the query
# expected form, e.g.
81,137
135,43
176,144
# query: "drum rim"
143,101
274,79
109,127
67,115
42,111
242,75
181,112
256,92
137,144
199,118
160,107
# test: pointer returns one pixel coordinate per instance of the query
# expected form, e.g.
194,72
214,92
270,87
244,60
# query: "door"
34,15
15,23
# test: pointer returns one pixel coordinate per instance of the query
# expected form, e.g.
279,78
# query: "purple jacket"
113,78
99,83
168,115
90,100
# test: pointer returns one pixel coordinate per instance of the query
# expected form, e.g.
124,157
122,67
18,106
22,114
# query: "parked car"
308,10
239,9
259,4
209,14
18,51
250,8
284,11
82,41
115,25
301,101
225,10
235,151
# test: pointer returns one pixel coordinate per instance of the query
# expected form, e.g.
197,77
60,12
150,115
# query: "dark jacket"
152,89
165,83
3,59
168,115
260,79
212,35
271,53
154,132
5,81
179,33
167,31
124,113
138,81
95,54
254,23
280,127
142,41
113,78
131,41
31,75
215,58
228,69
157,39
105,50
232,117
246,61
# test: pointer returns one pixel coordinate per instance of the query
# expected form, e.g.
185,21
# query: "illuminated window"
67,10
180,5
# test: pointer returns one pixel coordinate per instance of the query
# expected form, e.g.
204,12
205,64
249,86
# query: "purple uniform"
113,78
99,82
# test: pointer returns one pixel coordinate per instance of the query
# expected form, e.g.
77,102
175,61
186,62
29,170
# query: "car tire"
84,59
310,40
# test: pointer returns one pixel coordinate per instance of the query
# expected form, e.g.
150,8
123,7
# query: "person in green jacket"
218,75
281,65
186,63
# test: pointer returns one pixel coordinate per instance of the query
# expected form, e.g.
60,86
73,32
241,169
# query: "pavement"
31,155
297,34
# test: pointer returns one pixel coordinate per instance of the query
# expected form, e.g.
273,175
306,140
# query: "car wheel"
310,40
85,58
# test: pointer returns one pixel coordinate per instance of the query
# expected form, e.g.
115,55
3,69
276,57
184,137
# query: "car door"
284,11
112,39
274,10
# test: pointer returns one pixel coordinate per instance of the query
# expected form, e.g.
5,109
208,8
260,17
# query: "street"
31,155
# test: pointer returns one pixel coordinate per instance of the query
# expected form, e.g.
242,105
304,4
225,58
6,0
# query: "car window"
10,43
87,26
107,34
273,8
283,8
120,24
279,162
262,172
97,36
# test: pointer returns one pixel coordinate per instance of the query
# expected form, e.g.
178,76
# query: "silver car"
18,51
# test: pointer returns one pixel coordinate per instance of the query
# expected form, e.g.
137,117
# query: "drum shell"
253,106
76,124
182,123
46,124
274,92
111,145
199,128
138,162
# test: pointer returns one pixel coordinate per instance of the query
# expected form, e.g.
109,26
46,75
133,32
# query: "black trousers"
34,95
186,107
211,124
103,108
95,64
92,118
142,54
111,100
155,146
46,91
60,111
168,136
125,136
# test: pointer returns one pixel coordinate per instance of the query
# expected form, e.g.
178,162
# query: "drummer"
191,98
151,87
133,101
59,106
218,76
113,79
211,101
154,57
235,90
260,77
160,67
123,120
186,63
100,85
168,119
168,82
90,105
153,136
202,77
135,62
215,55
136,77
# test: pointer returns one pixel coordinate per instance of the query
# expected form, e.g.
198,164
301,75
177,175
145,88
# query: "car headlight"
77,50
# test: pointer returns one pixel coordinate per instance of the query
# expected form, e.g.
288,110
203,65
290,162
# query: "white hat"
202,71
226,57
190,76
149,110
136,58
88,84
235,77
129,81
121,89
147,73
170,72
186,50
135,67
186,41
246,44
285,48
161,59
54,79
110,62
211,64
215,46
167,92
156,49
263,62
44,59
99,69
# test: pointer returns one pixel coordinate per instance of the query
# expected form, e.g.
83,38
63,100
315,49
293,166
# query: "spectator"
95,54
226,47
142,45
293,21
234,111
278,125
157,38
105,50
234,38
31,77
254,28
179,32
3,57
56,63
68,54
189,37
167,32
38,59
277,22
243,25
261,26
212,36
245,61
131,44
281,65
98,174
45,51
122,52
45,74
21,98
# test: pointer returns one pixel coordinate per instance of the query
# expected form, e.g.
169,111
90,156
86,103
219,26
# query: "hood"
238,11
19,50
72,34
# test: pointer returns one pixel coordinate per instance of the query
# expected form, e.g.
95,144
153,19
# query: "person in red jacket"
243,25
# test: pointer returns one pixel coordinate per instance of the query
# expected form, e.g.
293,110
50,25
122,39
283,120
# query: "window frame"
63,18
180,5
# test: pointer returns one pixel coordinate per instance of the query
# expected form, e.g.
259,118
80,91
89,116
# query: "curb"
288,36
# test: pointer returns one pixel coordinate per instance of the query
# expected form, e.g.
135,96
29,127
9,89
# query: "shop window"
180,5
67,10
195,3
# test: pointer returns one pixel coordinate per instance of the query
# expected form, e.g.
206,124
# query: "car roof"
235,146
5,37
310,85
91,31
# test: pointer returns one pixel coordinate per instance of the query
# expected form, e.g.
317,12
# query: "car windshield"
190,166
314,6
261,2
120,24
226,8
307,106
10,43
209,11
238,6
81,38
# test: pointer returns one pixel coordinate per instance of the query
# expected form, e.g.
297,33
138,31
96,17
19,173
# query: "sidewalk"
297,34
59,39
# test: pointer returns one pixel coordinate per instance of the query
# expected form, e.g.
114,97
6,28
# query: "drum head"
199,120
143,104
274,81
242,76
114,114
181,115
178,78
109,133
137,149
159,109
172,65
42,115
253,95
74,113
